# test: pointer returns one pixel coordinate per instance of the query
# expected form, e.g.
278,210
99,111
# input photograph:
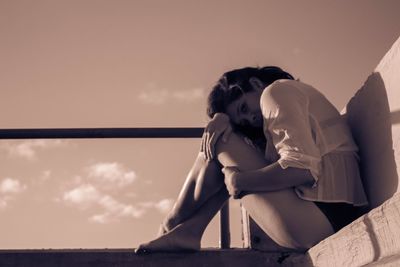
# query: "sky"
120,63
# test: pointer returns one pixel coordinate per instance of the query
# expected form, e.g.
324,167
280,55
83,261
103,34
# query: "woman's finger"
211,144
201,143
227,133
206,141
204,145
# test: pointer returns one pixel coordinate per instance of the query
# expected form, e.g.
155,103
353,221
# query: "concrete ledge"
373,240
126,257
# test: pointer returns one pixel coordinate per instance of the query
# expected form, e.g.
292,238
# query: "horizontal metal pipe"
188,132
45,133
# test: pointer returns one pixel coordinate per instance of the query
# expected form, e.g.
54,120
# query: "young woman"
282,148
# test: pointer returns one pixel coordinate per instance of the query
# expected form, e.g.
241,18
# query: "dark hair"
234,83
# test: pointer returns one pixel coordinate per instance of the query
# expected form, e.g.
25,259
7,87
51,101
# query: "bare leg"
203,181
288,220
187,235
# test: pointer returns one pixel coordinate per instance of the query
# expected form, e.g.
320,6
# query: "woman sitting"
281,147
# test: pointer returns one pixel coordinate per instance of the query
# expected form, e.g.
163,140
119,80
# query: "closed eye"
244,123
243,108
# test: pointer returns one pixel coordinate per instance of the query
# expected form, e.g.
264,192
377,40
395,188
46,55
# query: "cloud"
164,205
11,186
118,209
161,96
46,175
97,190
28,149
110,174
88,196
155,97
188,95
84,195
114,210
101,218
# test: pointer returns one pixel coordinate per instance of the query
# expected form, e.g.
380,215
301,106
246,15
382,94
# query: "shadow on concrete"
372,237
370,120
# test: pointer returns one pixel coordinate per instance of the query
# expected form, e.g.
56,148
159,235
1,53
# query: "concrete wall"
374,117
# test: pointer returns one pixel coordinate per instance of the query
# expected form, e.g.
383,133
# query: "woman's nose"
249,119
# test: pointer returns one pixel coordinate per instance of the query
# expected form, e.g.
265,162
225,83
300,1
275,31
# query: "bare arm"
270,178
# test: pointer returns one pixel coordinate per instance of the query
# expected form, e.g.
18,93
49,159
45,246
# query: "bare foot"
178,239
168,224
162,230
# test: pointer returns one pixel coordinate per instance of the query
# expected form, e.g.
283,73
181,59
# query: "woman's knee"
208,173
237,152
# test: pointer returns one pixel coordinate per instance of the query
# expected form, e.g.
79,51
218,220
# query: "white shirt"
307,132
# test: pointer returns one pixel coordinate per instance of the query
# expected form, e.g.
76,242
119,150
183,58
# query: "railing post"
246,242
225,235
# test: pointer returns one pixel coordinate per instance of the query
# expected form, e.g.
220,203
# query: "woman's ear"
256,83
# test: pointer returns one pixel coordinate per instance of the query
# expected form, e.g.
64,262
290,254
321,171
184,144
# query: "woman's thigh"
289,220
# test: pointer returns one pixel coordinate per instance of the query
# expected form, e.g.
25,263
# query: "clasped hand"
219,125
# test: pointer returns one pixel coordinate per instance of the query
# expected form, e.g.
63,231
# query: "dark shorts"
339,214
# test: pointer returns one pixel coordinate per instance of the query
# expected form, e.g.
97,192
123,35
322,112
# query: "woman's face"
246,111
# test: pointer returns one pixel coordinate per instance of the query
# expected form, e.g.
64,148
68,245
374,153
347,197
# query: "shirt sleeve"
286,118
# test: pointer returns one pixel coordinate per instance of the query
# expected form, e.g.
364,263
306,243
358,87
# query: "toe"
141,250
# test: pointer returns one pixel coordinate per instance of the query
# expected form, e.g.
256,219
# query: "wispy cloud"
83,196
28,149
88,196
188,95
9,188
158,96
111,174
97,190
114,210
120,209
45,176
155,97
164,205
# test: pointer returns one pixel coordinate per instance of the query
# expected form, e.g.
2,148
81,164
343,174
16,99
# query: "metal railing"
73,133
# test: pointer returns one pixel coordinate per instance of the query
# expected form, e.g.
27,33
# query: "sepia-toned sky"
120,63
